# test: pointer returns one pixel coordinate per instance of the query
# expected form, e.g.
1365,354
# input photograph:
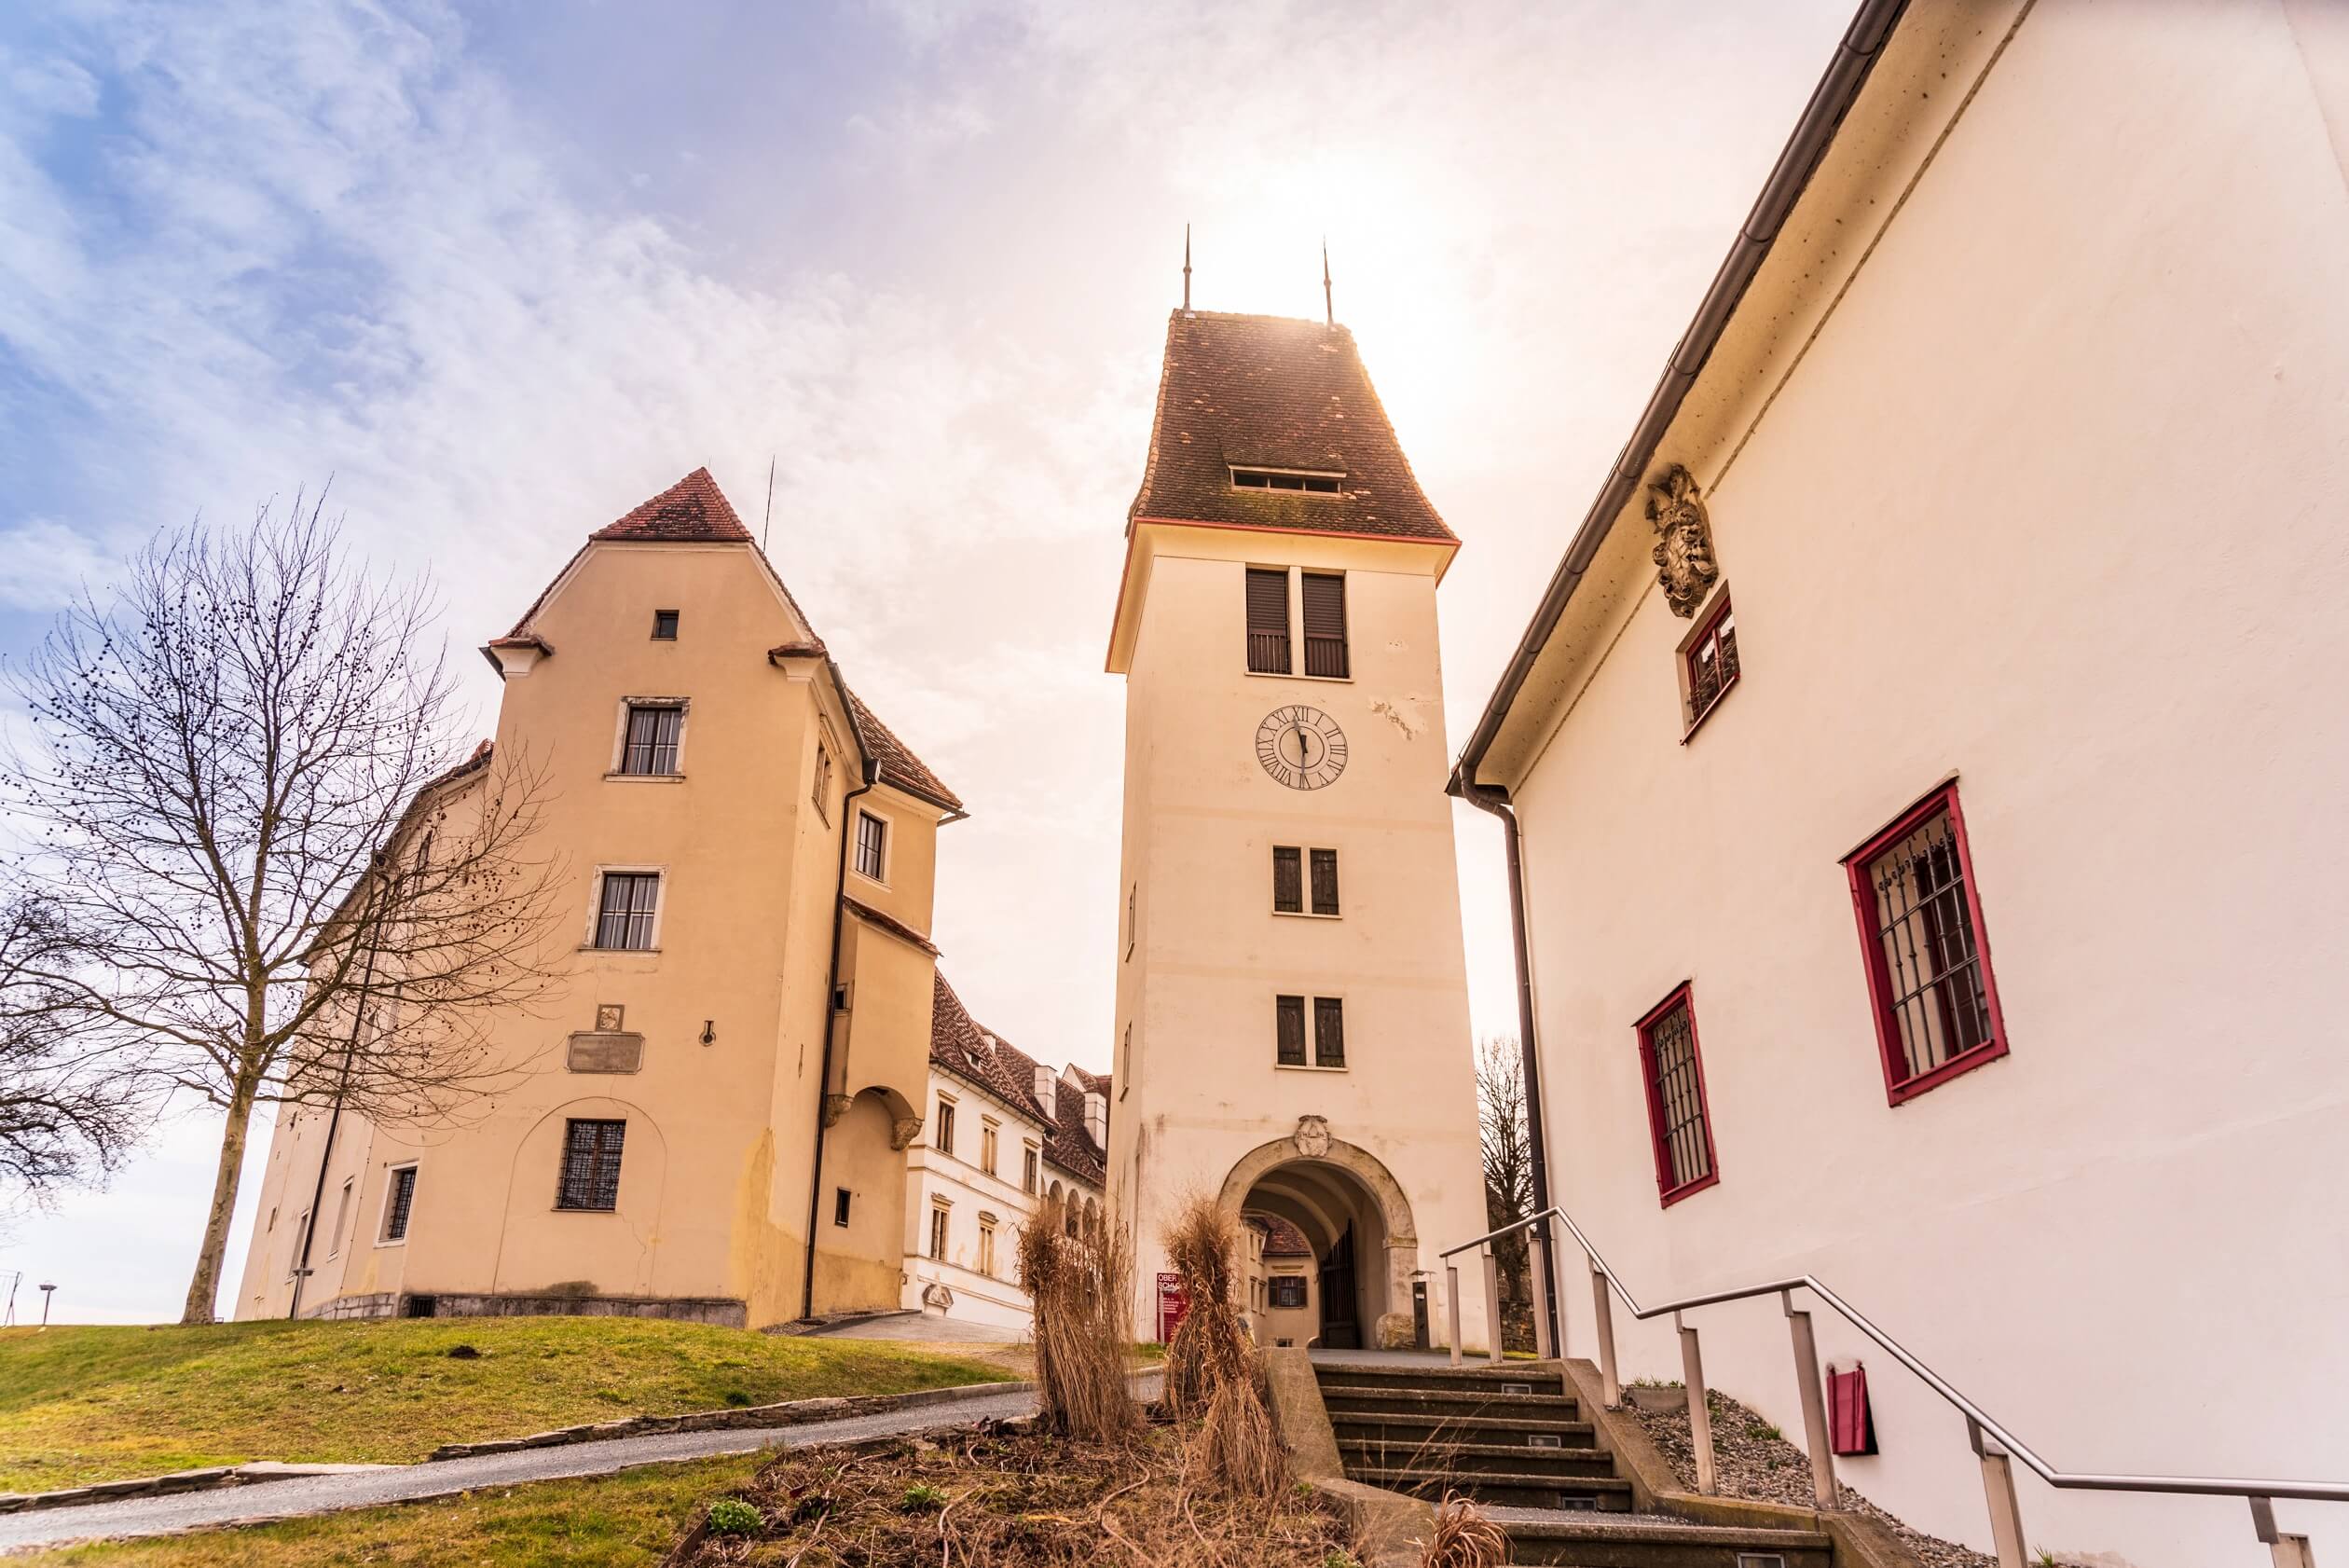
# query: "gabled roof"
693,509
1270,391
1281,1237
959,1046
1070,1147
898,764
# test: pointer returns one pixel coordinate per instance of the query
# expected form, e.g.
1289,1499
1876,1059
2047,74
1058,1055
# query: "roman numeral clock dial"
1302,746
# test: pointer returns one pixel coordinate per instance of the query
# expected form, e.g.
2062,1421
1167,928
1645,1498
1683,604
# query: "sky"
500,271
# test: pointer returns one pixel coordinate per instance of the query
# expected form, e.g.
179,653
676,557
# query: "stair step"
1599,1494
1595,1543
1471,1378
1438,1456
1418,1427
1403,1401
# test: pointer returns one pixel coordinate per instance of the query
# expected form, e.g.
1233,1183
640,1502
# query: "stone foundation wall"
720,1311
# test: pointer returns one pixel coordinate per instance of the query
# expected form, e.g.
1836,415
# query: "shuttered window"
591,1165
653,732
624,917
1325,882
1288,880
1290,1015
1268,622
1326,625
1329,1032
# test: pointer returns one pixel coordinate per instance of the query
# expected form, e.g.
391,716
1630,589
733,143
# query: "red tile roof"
693,509
1269,392
1281,1237
890,923
898,764
958,1045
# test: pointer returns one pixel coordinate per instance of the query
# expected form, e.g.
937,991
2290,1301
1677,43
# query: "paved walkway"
404,1483
913,1327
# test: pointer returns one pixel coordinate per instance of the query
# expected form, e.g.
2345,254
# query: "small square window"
664,626
1678,1120
1288,1291
1928,962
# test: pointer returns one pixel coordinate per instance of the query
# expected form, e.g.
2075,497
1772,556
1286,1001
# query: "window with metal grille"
653,732
1928,962
873,843
1712,661
1677,1117
399,1201
945,1140
1325,624
1288,1290
1329,1032
1289,1030
591,1165
1287,480
1268,621
1325,882
624,915
1288,879
938,1235
664,626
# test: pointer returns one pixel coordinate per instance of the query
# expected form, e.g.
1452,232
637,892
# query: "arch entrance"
1315,1195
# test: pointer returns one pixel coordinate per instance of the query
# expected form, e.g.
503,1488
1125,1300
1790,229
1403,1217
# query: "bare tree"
1508,1154
282,882
68,1112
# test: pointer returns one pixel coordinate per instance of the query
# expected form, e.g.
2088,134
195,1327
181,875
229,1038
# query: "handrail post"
1822,1456
1451,1306
1604,1311
1699,1412
1493,1303
2289,1551
1536,1275
1998,1485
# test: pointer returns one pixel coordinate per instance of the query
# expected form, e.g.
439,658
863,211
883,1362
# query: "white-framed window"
399,1205
872,847
986,1243
651,741
944,1140
1031,1161
627,908
988,1131
937,1231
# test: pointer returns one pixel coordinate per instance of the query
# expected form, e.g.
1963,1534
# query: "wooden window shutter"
1325,882
1268,622
1329,1032
1288,890
1325,624
1291,1016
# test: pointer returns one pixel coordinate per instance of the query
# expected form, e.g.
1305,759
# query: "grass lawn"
84,1404
604,1521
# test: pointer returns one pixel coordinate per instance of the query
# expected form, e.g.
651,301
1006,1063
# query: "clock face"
1302,746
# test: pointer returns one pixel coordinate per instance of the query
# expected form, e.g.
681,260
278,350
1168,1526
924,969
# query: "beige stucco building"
1292,1020
1958,923
708,1115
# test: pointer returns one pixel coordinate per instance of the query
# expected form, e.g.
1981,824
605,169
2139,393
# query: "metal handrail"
1980,1422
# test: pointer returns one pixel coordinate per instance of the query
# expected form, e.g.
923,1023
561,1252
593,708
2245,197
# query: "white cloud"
45,565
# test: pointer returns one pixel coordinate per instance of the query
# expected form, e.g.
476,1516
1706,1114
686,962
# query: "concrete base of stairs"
1388,1527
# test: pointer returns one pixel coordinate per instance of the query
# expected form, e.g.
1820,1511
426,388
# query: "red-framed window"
1928,957
1678,1120
1712,659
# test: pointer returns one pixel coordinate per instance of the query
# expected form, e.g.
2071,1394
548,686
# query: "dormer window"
1302,481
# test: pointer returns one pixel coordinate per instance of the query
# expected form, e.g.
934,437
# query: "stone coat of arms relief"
1684,541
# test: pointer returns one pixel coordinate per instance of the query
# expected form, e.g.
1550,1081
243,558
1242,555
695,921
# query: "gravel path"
403,1484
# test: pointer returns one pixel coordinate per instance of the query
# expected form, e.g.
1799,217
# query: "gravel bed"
1750,1462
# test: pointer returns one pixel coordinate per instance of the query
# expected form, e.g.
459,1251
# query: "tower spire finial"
1329,308
1186,269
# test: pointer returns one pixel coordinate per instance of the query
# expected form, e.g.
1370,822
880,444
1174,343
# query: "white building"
1292,1010
1961,922
1003,1132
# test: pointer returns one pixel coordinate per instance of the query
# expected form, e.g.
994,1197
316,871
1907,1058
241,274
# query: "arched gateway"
1353,1214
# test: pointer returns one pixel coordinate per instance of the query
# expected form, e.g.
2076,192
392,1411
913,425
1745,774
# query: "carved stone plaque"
605,1053
607,1017
1684,541
1313,1136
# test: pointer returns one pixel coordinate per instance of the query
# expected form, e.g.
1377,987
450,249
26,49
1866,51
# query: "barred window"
1289,1030
1712,661
1677,1117
1329,1032
1928,963
653,732
591,1165
1288,880
873,843
624,915
1268,621
1325,882
398,1202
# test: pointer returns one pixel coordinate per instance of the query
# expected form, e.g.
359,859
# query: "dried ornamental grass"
1080,1275
1212,1347
1462,1538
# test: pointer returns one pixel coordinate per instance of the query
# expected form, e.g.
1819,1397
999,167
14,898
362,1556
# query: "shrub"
731,1516
922,1498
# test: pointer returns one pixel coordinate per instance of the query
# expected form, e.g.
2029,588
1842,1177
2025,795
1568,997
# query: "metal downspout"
1496,801
831,1023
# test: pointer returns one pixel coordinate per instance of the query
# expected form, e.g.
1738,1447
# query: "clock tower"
1292,996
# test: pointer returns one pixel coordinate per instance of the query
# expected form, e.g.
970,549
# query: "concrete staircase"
1515,1442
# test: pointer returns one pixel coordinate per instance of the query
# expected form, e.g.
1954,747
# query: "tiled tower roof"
693,509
